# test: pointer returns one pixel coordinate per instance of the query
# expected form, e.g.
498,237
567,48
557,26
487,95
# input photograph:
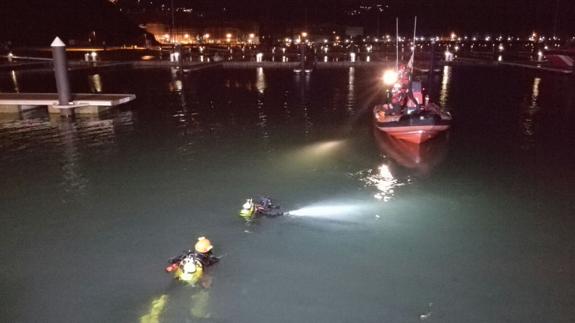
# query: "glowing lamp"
390,77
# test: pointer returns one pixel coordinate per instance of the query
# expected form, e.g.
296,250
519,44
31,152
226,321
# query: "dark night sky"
438,15
515,16
37,20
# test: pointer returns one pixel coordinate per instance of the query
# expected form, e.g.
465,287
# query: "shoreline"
420,66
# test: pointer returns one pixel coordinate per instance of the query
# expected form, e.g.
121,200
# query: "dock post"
61,74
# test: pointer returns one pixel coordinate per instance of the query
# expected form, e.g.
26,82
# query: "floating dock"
81,103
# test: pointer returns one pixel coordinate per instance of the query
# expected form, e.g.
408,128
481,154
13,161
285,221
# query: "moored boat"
406,115
561,58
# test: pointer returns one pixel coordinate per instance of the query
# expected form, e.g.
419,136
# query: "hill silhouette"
77,22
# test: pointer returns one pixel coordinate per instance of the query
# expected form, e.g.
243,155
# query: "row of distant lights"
303,38
206,36
453,37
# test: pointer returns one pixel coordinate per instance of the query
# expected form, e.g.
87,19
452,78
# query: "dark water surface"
477,227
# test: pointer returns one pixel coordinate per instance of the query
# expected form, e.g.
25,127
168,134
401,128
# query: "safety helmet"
203,245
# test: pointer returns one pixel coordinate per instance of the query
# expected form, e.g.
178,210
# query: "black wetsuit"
207,259
265,207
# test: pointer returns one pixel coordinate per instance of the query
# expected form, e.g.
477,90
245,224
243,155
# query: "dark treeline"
505,16
37,22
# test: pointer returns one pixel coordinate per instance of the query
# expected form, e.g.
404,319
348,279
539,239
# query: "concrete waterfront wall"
87,109
264,64
10,108
292,65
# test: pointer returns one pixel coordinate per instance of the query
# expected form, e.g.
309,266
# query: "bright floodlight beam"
333,212
390,77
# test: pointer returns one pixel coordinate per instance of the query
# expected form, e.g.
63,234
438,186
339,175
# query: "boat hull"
414,134
416,128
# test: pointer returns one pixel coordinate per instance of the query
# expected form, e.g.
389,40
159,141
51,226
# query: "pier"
81,103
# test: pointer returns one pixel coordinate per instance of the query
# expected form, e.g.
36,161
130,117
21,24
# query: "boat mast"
173,23
414,30
396,44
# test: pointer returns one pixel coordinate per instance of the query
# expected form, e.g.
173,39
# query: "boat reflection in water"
408,159
403,163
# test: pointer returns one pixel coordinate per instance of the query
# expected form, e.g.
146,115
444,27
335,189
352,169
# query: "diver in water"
261,206
201,256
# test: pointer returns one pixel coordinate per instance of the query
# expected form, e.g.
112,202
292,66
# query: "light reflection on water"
351,90
383,180
14,79
95,83
528,122
444,92
63,141
260,80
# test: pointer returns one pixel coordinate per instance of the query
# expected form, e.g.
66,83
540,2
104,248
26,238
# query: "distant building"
190,35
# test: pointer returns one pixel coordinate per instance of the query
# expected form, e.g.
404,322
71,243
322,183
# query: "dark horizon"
34,22
509,16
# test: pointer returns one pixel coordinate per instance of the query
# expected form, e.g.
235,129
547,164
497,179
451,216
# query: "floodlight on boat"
390,77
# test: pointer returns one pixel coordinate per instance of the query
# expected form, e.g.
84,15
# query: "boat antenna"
173,22
414,30
396,44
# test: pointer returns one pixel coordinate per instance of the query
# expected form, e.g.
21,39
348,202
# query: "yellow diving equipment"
156,310
248,210
201,304
190,270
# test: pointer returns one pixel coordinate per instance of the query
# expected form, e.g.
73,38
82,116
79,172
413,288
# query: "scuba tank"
186,267
189,270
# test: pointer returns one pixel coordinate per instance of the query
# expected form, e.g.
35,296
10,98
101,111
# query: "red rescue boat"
406,115
416,127
562,58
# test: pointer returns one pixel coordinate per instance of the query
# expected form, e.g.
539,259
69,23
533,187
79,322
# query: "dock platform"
82,103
